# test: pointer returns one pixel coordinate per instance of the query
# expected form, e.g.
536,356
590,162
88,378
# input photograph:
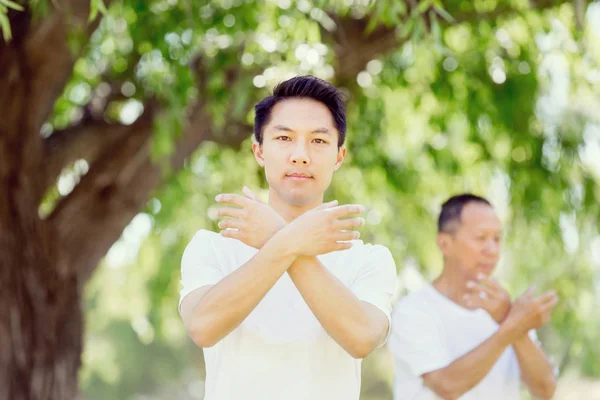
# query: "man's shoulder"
207,239
418,302
369,250
203,237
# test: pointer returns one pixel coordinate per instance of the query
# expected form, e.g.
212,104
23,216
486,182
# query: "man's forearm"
536,371
463,374
354,325
225,305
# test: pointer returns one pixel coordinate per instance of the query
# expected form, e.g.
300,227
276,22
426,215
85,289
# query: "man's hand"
254,223
323,229
529,312
486,293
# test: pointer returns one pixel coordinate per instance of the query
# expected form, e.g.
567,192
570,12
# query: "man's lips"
298,176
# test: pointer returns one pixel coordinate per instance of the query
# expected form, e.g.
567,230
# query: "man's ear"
444,242
341,154
258,155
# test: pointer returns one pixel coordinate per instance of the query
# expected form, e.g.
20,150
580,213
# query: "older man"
461,337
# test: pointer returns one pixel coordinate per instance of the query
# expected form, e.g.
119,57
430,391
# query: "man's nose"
492,247
300,155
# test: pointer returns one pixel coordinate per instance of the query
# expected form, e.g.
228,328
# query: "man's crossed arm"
212,312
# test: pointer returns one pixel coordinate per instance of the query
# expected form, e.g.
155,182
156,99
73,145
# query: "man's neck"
451,284
289,212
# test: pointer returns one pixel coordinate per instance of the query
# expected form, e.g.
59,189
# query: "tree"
116,100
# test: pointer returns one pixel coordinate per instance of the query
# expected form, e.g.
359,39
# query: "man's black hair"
452,210
303,87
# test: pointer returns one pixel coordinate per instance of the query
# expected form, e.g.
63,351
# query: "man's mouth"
299,176
487,267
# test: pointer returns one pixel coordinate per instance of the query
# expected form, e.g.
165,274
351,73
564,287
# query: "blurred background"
152,115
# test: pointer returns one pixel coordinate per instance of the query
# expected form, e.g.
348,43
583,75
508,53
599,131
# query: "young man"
461,337
286,301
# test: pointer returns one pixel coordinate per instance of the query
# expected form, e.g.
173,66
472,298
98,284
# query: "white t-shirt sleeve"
199,264
375,282
417,341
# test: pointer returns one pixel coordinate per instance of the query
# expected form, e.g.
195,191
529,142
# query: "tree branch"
87,140
47,53
35,67
119,184
354,47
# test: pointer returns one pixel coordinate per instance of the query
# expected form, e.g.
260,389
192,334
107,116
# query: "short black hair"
452,210
303,87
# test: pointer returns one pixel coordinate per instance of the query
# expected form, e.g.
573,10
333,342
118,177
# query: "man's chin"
485,270
299,199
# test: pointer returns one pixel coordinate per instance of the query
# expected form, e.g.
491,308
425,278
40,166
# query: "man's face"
474,246
299,151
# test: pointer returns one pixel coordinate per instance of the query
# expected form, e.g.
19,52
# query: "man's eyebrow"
321,130
282,128
486,231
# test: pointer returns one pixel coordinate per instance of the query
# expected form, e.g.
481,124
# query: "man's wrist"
284,240
302,262
502,318
522,340
508,333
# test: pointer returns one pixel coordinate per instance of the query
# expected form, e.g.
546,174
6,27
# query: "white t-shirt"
281,351
429,332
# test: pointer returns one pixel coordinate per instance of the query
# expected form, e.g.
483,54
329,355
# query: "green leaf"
436,31
407,28
95,7
423,6
373,22
444,14
417,33
12,4
399,8
5,24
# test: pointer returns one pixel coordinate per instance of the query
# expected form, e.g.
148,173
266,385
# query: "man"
286,301
461,337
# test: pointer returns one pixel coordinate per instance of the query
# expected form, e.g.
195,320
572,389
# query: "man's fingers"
330,204
487,281
529,292
230,233
546,298
251,195
473,301
348,224
347,235
346,210
235,199
342,246
550,304
230,224
247,193
477,287
230,212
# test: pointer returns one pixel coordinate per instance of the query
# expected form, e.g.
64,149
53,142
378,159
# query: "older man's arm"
536,370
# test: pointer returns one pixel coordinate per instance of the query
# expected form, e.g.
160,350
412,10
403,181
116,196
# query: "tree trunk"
40,311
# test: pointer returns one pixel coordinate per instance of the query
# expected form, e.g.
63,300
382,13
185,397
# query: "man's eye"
320,141
283,138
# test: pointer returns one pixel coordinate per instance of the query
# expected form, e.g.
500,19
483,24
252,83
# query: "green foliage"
505,105
5,5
